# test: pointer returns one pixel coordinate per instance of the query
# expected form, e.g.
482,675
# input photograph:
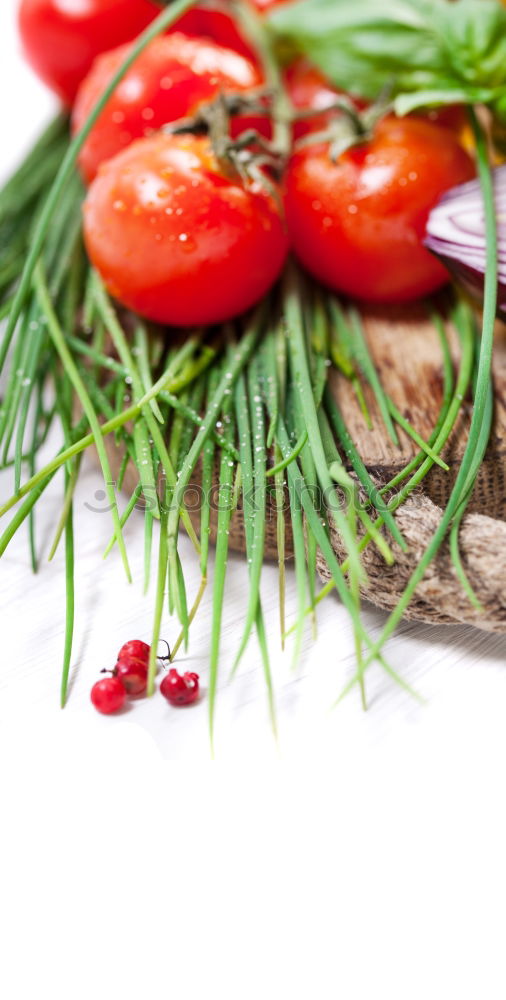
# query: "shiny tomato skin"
175,239
309,90
265,5
358,224
61,38
169,80
214,20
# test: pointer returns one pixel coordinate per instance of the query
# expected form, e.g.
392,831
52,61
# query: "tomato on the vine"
169,80
358,224
176,238
61,39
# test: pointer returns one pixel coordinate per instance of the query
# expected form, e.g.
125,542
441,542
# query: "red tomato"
309,90
452,116
169,80
213,20
61,38
178,241
263,5
358,224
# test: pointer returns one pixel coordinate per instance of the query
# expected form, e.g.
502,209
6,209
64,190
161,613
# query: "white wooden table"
459,671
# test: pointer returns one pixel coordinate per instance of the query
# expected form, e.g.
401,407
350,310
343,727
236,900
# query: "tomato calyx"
350,125
247,156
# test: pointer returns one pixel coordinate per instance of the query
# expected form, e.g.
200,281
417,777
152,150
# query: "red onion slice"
456,234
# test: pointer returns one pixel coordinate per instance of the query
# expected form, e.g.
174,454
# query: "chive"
207,481
463,321
129,509
406,426
84,442
239,358
359,468
295,480
245,415
220,561
256,521
148,545
300,375
360,352
273,471
32,361
69,604
144,462
338,472
445,404
481,447
300,565
159,597
343,479
122,469
295,419
32,463
141,346
39,483
70,484
193,369
53,137
72,373
276,374
163,395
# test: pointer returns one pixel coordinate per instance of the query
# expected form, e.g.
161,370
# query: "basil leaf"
451,51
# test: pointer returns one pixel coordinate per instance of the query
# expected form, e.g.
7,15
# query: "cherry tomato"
309,90
61,38
358,224
168,81
176,239
263,5
214,20
452,116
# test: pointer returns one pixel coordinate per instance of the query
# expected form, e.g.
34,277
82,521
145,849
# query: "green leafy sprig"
425,52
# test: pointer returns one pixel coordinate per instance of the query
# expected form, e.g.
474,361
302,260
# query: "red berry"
133,675
135,649
108,695
180,690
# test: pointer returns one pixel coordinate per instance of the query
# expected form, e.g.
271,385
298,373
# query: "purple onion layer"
456,234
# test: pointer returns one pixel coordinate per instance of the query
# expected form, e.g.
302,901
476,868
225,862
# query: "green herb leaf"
435,51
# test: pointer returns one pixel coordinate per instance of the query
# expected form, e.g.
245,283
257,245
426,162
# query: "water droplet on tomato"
119,206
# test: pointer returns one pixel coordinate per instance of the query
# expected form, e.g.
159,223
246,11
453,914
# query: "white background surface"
373,868
460,671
